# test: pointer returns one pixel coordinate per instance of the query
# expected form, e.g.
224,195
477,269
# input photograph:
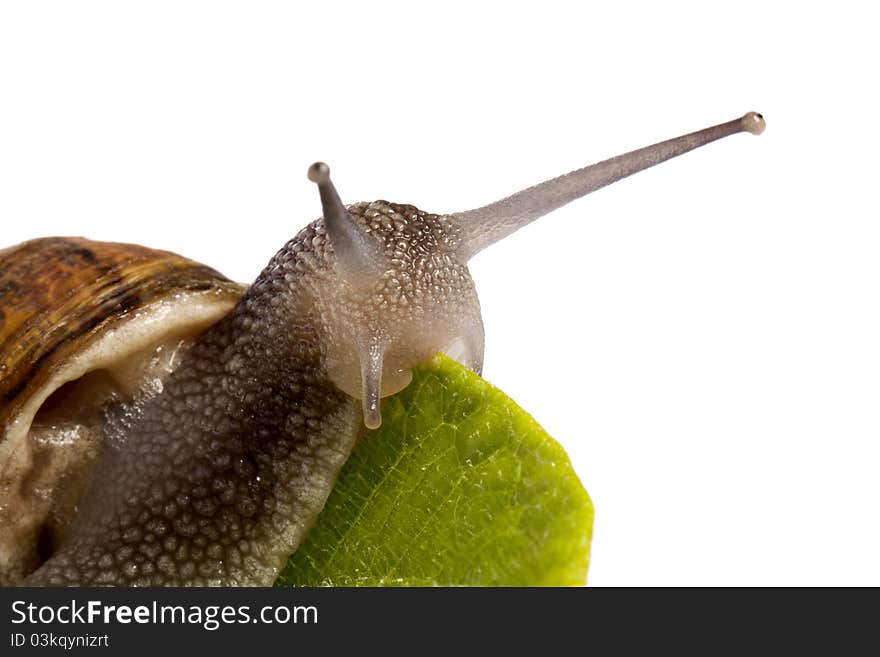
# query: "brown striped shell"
70,307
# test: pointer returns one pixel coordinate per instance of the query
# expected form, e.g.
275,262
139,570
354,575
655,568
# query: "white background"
704,338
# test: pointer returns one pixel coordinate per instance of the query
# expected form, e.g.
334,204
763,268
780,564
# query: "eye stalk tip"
753,122
319,173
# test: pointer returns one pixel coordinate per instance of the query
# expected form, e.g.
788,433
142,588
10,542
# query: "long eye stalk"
357,256
488,224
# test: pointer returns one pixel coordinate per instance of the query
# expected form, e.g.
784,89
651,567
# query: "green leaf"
458,487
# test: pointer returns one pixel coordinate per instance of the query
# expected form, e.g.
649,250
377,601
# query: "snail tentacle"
486,225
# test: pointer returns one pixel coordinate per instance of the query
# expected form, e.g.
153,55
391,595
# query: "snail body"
162,425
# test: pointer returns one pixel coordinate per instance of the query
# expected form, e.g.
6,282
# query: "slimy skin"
215,475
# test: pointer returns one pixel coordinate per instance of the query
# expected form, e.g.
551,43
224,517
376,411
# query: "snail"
163,425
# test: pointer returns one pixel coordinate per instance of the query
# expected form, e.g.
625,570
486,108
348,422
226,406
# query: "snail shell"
81,322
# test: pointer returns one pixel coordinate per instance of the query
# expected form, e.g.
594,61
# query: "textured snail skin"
216,479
